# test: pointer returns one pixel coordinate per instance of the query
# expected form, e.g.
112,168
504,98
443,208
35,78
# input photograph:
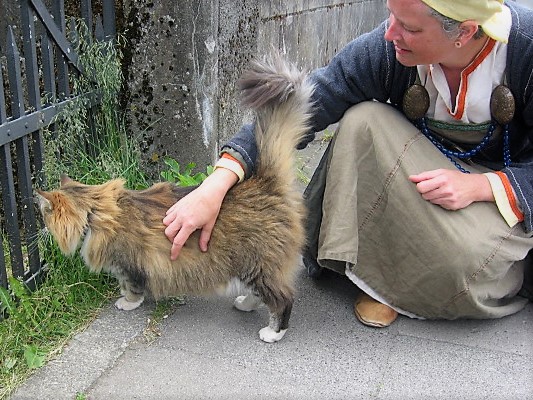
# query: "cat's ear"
43,199
65,179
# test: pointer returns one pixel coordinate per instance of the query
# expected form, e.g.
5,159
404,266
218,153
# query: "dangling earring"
458,44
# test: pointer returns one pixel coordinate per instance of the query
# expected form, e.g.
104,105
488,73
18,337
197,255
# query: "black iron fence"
36,80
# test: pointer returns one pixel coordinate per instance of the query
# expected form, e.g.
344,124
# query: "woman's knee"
363,122
370,112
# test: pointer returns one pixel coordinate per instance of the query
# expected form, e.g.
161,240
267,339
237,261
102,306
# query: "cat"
257,238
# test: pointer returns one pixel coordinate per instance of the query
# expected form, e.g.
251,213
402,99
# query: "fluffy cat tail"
280,95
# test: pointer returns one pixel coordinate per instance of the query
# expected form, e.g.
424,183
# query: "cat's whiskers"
33,247
33,241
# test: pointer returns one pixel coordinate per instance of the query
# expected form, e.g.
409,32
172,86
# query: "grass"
303,169
41,322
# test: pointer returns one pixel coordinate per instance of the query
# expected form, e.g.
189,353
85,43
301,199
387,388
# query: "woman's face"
417,36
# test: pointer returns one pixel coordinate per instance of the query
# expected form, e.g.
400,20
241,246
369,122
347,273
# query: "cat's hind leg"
248,302
127,305
277,327
278,297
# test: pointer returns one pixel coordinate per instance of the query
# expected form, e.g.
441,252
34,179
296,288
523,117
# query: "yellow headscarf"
493,16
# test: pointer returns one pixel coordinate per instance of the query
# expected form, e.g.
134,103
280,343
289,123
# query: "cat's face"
63,218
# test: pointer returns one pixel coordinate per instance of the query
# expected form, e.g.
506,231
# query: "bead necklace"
451,155
416,104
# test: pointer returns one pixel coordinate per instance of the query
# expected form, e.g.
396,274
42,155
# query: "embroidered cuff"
505,198
235,155
228,162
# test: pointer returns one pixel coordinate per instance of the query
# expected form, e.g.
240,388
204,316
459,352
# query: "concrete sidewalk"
209,350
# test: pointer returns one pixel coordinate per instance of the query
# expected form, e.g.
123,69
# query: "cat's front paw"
267,334
247,303
123,304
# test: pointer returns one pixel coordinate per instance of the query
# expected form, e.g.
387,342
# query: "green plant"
34,356
327,136
91,143
163,309
186,177
301,174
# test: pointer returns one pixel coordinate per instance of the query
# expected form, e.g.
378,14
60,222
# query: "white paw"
123,304
247,303
268,335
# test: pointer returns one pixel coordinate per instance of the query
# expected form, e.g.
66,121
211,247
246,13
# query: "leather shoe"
371,312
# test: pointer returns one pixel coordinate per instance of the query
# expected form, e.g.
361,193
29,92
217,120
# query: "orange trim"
510,195
461,104
230,157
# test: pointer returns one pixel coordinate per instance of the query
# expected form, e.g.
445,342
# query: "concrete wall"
171,78
184,58
310,32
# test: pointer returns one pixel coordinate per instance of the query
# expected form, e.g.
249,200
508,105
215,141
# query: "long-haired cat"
258,234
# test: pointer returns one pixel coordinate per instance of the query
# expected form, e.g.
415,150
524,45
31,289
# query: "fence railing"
36,81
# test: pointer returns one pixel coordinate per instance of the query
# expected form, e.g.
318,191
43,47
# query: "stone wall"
184,58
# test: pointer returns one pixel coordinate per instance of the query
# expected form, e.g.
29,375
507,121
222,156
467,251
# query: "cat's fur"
256,239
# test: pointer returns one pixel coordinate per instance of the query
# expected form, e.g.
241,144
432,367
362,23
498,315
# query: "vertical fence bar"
48,69
99,33
86,10
49,76
49,84
3,179
109,19
32,80
30,54
10,211
58,11
8,184
3,267
22,148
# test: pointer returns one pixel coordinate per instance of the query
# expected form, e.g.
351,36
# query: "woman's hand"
451,189
198,210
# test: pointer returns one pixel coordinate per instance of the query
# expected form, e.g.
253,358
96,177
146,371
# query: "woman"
423,199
